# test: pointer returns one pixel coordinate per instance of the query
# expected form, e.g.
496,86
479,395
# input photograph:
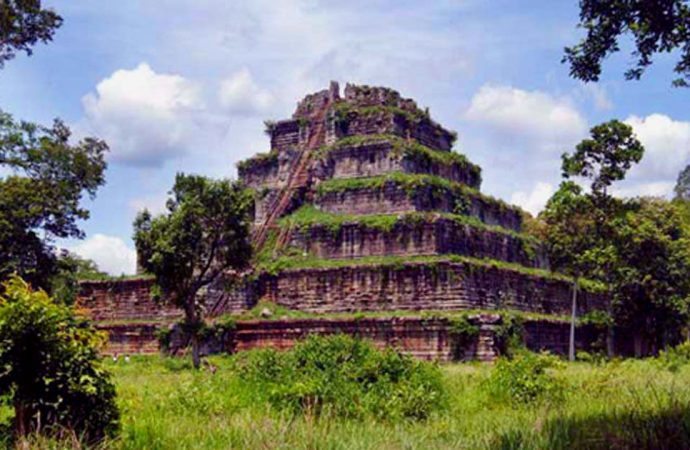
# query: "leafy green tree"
605,157
652,288
71,268
40,199
203,235
51,369
682,189
23,23
656,26
579,227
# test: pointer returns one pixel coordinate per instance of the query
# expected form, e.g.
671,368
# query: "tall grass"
619,404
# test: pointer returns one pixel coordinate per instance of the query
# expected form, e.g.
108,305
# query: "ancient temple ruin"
369,223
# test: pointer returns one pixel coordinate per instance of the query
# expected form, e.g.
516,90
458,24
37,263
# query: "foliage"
23,23
682,188
51,367
656,27
676,357
652,290
509,334
526,378
71,269
339,376
606,157
204,233
258,160
464,333
40,198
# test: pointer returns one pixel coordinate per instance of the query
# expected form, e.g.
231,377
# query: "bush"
527,378
51,367
675,357
345,377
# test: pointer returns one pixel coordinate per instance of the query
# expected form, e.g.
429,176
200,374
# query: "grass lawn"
620,404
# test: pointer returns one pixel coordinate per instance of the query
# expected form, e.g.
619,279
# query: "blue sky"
177,85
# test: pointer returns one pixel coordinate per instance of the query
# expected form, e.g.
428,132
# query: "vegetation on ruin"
582,405
431,262
415,184
259,160
407,149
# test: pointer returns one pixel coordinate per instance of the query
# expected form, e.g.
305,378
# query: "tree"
606,157
652,288
51,369
40,200
23,23
70,269
204,233
579,227
682,189
657,26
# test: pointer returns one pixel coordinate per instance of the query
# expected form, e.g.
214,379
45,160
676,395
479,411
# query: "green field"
619,404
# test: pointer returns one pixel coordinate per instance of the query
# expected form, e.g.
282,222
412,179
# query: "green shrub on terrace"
675,357
309,216
411,183
411,150
340,376
399,262
258,160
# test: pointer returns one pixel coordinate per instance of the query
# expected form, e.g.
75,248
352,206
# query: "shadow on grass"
637,428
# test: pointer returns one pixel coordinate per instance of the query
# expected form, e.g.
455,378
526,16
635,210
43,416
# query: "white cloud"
240,94
110,253
154,203
599,96
535,115
535,200
146,117
667,146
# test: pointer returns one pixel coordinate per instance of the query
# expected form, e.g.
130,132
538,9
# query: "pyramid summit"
368,222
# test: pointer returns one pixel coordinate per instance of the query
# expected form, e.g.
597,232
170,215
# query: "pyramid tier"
418,283
331,236
367,156
400,193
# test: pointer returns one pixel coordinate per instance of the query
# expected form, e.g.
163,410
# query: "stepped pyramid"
368,222
362,205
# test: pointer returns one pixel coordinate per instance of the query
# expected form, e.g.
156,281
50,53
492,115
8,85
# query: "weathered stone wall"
421,286
395,199
389,121
432,237
285,134
131,338
378,158
424,338
122,300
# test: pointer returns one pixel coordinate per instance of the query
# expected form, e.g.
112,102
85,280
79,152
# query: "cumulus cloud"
667,146
534,200
535,115
110,253
240,94
146,117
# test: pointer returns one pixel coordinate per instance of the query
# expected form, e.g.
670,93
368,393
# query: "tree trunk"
196,359
22,416
573,317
